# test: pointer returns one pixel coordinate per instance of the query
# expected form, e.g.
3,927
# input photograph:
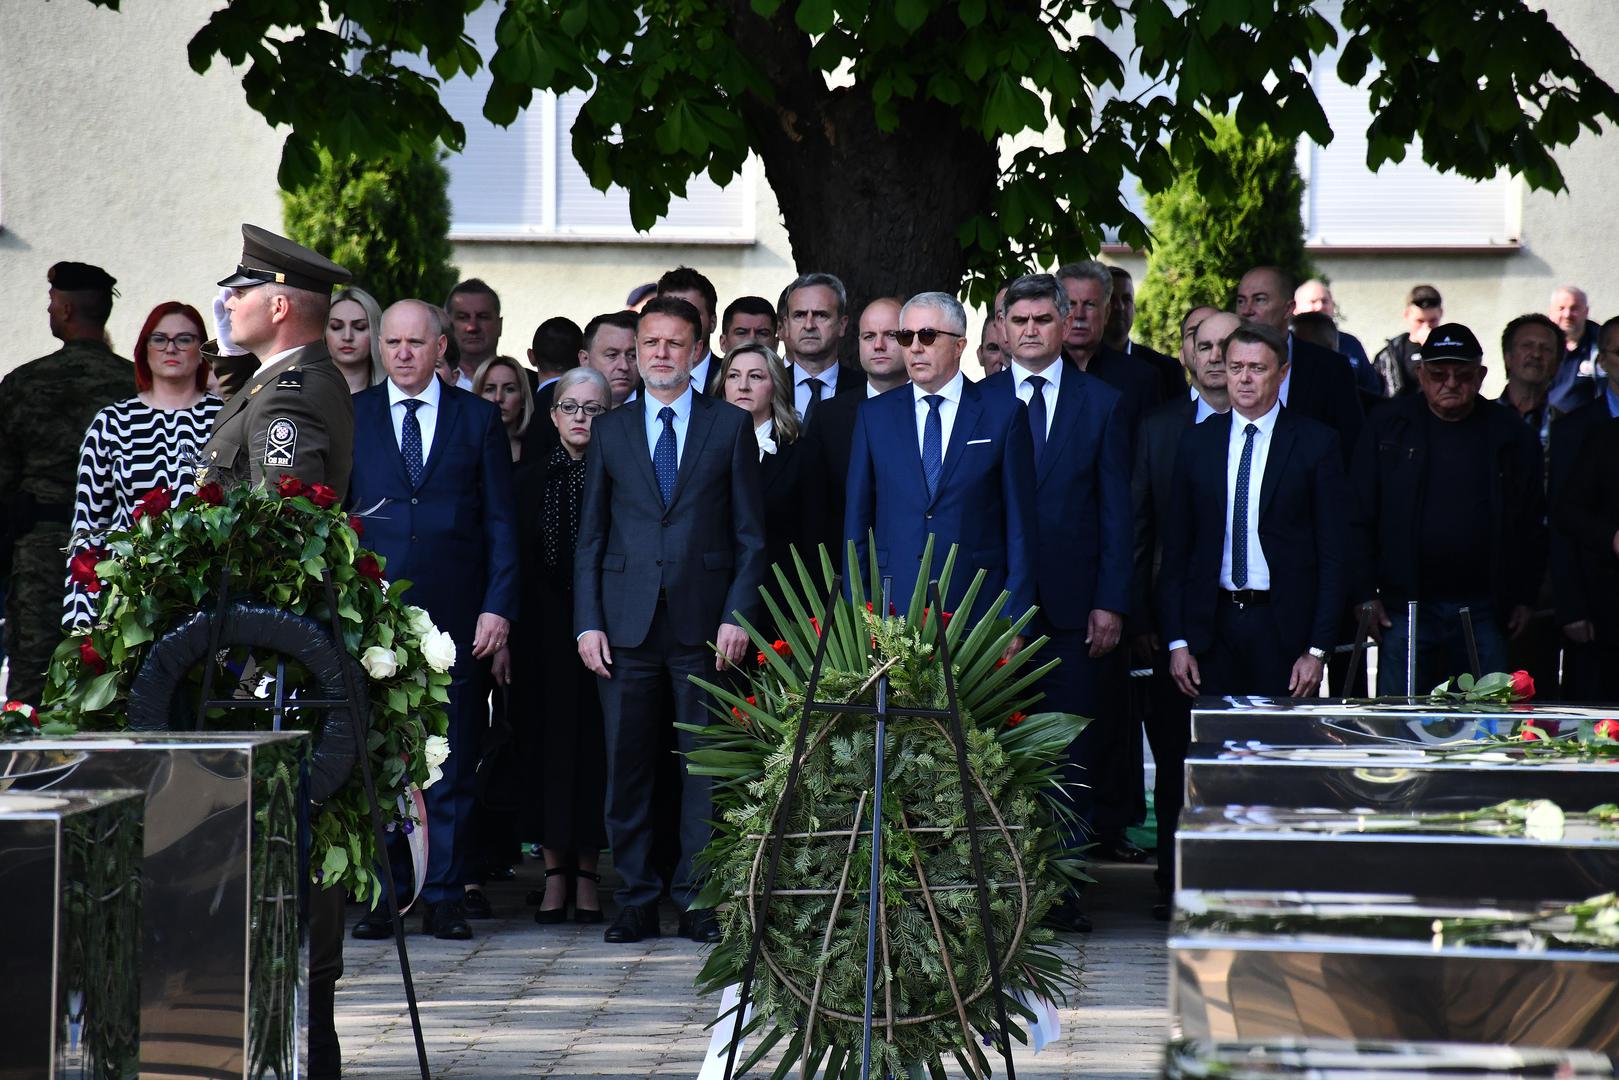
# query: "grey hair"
1572,290
1089,270
805,281
1037,287
945,304
576,375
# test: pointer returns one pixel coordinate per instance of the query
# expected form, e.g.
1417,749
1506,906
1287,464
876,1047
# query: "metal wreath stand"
881,711
339,740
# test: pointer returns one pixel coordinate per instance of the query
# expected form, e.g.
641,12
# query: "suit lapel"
967,414
635,432
450,414
698,426
1282,438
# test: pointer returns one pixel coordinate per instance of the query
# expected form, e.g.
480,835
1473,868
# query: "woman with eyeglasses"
501,381
354,338
152,440
554,703
754,379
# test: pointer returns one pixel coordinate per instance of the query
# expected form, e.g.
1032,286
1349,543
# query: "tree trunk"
880,211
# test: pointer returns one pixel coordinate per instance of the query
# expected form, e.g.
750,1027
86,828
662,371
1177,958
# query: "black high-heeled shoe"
583,914
552,916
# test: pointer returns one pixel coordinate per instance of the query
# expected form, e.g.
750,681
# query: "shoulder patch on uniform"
291,379
280,443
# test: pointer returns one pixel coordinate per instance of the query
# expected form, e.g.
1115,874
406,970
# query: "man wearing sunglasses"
1396,362
944,458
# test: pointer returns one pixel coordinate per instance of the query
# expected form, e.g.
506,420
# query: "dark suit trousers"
1072,687
1169,732
633,714
325,968
1247,656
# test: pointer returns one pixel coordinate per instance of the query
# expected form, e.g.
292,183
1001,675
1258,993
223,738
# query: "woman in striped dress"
149,441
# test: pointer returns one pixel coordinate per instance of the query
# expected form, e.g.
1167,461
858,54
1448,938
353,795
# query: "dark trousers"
325,968
1248,655
1169,732
634,719
1072,687
1441,648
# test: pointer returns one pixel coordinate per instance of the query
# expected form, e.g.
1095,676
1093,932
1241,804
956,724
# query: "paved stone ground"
526,1000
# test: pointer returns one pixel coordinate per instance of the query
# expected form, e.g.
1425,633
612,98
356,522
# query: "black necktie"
1239,511
816,386
1037,414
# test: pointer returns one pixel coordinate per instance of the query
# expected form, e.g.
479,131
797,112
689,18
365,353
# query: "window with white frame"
522,182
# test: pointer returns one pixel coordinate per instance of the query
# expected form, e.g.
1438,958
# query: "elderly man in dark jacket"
1449,512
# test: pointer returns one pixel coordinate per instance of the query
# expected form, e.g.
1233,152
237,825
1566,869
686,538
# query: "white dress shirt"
1052,373
1287,379
951,392
463,380
801,386
699,372
872,391
654,427
1258,568
426,416
1204,409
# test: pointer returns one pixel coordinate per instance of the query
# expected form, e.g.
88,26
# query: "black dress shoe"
1067,918
373,926
1120,850
1161,911
476,905
633,924
585,914
447,920
700,926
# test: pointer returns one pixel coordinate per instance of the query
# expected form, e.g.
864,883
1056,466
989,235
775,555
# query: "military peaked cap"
80,277
270,259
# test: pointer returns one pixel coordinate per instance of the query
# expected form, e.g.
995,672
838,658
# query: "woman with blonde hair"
354,337
753,378
501,380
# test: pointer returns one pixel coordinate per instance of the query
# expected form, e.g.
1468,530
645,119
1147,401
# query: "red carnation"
322,496
1608,729
290,487
1015,719
91,658
154,502
211,493
1523,686
82,569
357,525
781,648
368,566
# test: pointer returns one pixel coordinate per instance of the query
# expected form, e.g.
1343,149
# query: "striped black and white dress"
129,449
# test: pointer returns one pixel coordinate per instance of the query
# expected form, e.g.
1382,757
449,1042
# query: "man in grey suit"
671,545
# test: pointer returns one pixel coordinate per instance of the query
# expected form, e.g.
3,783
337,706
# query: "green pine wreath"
933,999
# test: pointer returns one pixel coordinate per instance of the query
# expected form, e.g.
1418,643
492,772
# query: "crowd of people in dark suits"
593,525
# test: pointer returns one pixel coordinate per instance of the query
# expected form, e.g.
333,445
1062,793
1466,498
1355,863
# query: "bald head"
412,342
1189,324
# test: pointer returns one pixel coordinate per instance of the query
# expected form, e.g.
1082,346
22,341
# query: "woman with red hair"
152,440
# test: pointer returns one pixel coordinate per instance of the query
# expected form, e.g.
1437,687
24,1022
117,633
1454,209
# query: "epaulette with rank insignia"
291,379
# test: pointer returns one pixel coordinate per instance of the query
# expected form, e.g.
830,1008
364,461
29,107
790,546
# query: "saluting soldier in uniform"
45,407
294,416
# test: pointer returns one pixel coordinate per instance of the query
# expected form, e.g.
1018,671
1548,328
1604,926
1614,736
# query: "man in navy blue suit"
1255,570
433,477
671,547
942,457
1080,442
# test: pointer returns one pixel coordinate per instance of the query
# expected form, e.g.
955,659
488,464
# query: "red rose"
357,525
816,623
1608,729
1523,686
289,486
211,493
870,608
752,700
1530,733
1015,719
82,569
91,658
23,709
154,502
322,496
367,566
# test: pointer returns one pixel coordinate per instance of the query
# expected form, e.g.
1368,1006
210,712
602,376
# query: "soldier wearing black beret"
293,416
45,406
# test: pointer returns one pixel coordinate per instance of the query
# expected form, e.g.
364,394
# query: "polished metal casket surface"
1331,1059
70,907
223,952
1388,721
1265,849
1392,779
1253,968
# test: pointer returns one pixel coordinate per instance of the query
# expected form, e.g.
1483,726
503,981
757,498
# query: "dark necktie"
932,444
1037,414
816,386
1239,511
664,461
410,443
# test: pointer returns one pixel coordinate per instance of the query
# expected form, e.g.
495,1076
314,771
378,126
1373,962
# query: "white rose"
438,649
435,751
1543,820
379,663
419,621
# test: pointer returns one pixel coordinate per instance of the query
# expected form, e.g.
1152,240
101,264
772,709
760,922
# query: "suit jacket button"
667,523
660,562
929,517
413,502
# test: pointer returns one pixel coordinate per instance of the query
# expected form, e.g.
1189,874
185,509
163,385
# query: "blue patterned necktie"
1239,511
932,444
664,461
1037,414
410,443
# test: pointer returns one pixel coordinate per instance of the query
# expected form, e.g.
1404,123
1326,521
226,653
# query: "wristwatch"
1319,654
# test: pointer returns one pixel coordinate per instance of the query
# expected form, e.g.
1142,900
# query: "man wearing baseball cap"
1449,511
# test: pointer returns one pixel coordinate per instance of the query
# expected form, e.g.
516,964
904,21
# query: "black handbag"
500,785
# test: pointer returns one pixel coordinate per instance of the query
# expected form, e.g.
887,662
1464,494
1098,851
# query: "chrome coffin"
70,908
224,879
1386,721
1326,1059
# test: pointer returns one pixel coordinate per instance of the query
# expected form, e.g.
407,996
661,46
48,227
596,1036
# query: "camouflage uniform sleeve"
290,431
